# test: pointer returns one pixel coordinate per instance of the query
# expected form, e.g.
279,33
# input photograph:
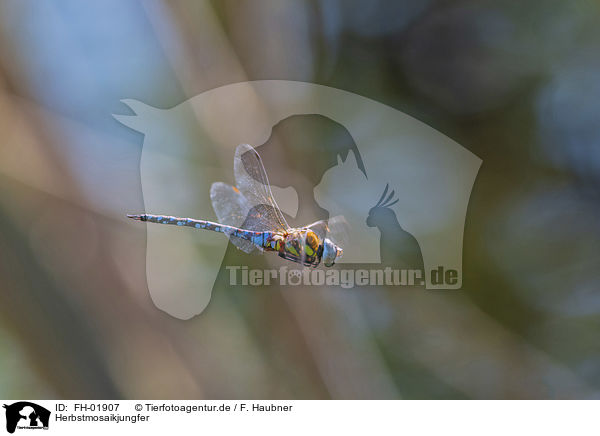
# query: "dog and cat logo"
26,415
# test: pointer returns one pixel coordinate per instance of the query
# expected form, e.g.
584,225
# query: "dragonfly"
248,214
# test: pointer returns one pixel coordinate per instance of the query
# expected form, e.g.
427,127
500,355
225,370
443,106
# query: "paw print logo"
294,277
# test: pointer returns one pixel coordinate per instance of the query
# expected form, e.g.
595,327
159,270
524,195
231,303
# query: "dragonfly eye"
330,252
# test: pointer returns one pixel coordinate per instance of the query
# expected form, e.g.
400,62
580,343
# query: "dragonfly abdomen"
260,239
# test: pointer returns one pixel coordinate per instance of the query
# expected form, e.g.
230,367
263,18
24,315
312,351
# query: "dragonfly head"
331,252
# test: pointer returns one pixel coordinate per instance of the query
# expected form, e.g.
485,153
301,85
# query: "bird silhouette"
398,248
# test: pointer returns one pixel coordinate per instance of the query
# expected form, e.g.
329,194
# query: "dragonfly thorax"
306,247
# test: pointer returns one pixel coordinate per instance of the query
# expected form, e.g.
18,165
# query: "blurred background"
517,83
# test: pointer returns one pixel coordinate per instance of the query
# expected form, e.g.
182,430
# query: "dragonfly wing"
251,179
231,209
242,244
319,227
229,204
337,229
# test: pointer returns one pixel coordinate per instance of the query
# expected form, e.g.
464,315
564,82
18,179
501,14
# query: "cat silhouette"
345,190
